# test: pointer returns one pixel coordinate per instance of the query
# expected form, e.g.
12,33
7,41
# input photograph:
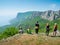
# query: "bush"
9,31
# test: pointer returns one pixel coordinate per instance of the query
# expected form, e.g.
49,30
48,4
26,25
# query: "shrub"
9,31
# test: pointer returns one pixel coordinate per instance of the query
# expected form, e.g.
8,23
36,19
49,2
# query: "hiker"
29,31
55,29
36,27
47,29
20,30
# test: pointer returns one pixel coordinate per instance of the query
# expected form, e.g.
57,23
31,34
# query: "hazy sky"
10,8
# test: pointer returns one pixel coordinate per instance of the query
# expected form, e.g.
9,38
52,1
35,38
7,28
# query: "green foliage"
9,31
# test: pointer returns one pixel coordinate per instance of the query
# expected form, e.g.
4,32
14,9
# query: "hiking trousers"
36,31
47,32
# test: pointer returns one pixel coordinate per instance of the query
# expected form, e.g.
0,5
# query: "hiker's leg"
46,32
36,31
55,33
22,32
30,32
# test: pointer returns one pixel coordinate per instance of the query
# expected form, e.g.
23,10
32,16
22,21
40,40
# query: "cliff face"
49,15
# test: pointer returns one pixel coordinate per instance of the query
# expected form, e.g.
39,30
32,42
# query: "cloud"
53,6
7,12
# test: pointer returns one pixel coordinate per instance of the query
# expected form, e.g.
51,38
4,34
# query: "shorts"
55,29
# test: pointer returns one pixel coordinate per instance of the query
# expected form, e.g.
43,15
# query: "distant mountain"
49,15
30,18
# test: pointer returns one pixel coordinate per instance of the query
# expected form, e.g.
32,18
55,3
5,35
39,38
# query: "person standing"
47,29
29,31
36,27
20,30
55,29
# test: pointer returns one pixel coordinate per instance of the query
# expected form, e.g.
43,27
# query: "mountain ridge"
48,15
44,14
